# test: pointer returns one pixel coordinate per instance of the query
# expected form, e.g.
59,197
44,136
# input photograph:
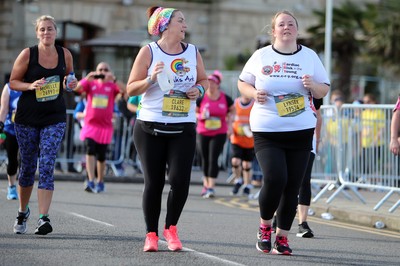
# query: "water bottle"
70,77
379,225
206,111
327,216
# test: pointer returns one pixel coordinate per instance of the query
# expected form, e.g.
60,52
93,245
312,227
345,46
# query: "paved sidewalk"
341,208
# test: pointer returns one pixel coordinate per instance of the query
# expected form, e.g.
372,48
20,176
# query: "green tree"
384,37
350,23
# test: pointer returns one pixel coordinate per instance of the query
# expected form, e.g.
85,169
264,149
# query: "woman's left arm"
318,90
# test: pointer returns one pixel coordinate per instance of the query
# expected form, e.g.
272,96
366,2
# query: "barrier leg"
326,187
377,206
340,189
354,189
395,206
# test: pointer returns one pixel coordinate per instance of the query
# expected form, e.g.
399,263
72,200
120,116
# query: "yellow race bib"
175,104
213,123
289,105
50,90
100,101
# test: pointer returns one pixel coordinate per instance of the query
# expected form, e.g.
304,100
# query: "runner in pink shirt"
101,91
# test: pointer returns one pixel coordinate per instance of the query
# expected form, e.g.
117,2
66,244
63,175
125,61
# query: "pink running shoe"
203,191
171,236
281,246
151,242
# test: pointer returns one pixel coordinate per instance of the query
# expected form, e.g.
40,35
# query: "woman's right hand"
38,84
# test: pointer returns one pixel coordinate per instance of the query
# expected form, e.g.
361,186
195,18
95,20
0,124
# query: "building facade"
221,28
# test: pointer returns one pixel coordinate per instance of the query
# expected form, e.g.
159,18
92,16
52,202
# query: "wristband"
200,88
1,127
150,81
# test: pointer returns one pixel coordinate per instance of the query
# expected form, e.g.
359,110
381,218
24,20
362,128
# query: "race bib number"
213,123
175,104
100,101
289,105
50,90
243,130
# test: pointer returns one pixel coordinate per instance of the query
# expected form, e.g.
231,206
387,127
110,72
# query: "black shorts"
242,153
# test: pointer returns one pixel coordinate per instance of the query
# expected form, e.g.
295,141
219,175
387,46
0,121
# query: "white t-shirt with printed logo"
289,104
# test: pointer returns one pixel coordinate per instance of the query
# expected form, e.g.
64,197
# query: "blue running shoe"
210,193
100,187
90,187
12,193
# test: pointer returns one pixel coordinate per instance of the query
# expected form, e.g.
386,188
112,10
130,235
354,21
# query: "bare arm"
5,103
137,81
18,72
318,90
249,91
394,133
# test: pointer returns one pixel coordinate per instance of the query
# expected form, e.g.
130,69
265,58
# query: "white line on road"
213,257
165,243
90,219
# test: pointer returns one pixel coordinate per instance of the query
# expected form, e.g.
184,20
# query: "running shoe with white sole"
44,227
20,222
281,246
305,231
264,239
171,236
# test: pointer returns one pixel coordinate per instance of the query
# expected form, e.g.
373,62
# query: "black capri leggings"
210,147
305,188
283,159
155,152
11,146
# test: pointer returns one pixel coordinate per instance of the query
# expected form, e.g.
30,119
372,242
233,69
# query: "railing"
354,152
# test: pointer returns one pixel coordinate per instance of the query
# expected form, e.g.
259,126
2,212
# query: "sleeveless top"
38,108
12,106
158,105
241,125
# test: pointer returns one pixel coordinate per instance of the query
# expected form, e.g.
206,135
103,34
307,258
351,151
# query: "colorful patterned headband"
159,20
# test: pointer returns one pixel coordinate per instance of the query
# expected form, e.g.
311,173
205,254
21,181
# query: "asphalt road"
108,229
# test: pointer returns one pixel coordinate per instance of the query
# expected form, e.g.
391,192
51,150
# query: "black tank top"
46,107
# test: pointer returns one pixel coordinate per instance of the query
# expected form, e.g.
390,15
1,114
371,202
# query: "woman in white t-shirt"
282,78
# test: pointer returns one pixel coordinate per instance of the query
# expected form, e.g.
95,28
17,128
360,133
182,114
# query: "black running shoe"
281,246
246,191
236,188
264,239
44,226
305,231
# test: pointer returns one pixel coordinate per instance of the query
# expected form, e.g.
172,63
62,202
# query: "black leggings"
210,147
12,147
155,152
283,171
305,188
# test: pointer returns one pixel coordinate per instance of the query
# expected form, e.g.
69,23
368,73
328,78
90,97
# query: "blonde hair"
44,18
273,22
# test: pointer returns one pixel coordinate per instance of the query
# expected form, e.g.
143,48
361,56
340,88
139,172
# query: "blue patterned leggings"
42,143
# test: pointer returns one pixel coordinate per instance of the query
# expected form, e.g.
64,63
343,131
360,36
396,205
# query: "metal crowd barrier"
73,150
355,152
